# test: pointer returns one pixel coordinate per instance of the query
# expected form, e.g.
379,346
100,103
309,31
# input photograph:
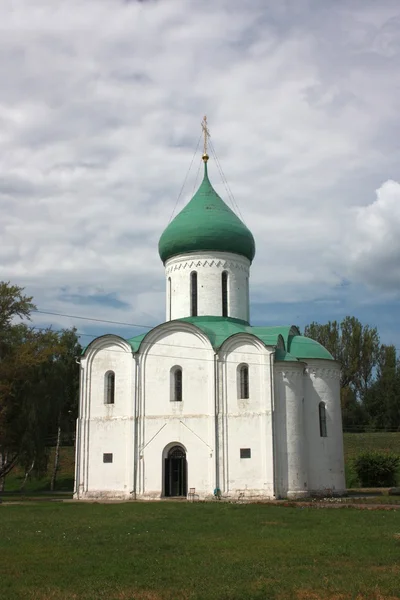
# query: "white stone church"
205,404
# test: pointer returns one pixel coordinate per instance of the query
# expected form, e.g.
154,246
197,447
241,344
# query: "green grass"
355,443
179,551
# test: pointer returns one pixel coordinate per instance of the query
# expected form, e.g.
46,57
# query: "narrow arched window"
224,283
247,299
243,381
193,294
322,420
169,299
176,384
109,387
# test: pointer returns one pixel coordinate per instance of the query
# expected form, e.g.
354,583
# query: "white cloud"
100,110
374,243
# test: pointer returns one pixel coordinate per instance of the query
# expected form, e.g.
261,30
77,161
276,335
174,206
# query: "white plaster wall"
325,454
110,436
111,358
209,268
245,423
105,428
290,446
162,422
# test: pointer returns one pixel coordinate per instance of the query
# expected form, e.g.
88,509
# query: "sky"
100,109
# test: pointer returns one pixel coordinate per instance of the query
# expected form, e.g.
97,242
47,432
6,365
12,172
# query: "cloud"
375,241
100,110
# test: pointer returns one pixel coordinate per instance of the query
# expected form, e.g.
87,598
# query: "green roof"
305,347
206,223
290,345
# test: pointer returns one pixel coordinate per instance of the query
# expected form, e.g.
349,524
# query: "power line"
48,312
184,181
225,182
134,325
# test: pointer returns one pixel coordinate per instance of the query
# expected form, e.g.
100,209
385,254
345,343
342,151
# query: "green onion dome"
206,223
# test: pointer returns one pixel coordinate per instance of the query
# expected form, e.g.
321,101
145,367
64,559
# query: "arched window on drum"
224,284
322,420
193,294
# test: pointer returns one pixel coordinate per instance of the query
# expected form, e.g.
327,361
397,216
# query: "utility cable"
184,182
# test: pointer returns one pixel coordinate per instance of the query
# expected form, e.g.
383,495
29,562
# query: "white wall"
212,423
245,423
209,268
162,422
325,454
290,445
105,428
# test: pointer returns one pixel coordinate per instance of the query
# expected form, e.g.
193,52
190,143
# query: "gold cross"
206,136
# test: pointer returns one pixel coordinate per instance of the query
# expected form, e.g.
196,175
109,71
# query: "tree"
354,345
26,355
64,390
382,400
13,304
39,381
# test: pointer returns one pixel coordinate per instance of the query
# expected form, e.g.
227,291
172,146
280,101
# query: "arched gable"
103,342
165,329
240,339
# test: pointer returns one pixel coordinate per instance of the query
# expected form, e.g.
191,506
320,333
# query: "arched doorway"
175,472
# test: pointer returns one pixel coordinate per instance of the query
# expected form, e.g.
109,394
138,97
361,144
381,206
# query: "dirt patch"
386,569
54,594
342,505
128,594
312,595
325,595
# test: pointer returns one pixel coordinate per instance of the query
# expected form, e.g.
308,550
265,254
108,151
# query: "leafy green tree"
38,384
64,391
13,304
354,345
382,401
26,354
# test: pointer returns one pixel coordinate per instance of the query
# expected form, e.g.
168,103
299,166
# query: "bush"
352,480
377,469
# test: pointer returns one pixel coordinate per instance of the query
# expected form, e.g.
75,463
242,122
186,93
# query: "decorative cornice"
314,372
195,264
322,372
290,373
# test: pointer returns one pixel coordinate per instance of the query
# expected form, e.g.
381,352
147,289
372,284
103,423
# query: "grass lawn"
355,443
211,551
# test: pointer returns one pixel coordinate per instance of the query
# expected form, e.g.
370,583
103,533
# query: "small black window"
322,420
107,458
193,294
176,384
110,387
243,383
224,282
245,452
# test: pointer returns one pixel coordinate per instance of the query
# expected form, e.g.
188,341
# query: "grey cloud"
101,106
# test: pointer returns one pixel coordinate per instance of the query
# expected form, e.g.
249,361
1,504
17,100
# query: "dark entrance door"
176,472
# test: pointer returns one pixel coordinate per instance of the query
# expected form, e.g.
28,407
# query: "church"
206,405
